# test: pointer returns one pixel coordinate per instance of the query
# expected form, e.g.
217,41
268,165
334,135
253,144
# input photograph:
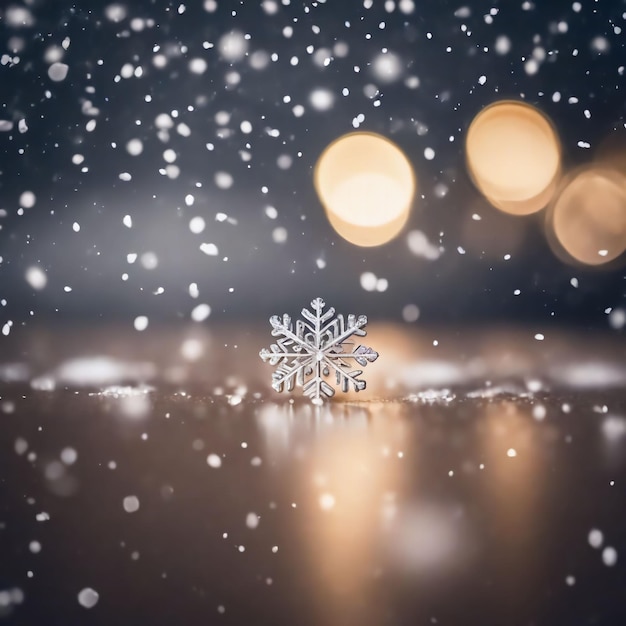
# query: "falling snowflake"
318,348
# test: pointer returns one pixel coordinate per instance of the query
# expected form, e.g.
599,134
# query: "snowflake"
317,349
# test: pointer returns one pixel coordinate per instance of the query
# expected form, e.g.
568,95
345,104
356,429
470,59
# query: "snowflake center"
320,355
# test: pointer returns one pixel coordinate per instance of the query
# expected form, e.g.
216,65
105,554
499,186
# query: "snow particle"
322,99
197,225
233,46
57,72
410,313
209,249
200,313
609,556
595,538
131,504
223,180
214,461
36,277
279,235
27,200
134,147
88,598
141,323
252,520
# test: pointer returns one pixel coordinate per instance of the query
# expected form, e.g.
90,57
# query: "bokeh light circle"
588,219
514,156
367,185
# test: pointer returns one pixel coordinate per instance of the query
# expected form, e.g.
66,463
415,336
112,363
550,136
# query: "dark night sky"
255,110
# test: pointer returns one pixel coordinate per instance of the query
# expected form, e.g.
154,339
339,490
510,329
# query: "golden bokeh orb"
513,155
588,218
367,185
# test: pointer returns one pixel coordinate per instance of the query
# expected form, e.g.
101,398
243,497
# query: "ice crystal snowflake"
317,348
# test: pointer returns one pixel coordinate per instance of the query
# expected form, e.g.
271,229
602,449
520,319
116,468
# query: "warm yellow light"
589,216
514,157
366,185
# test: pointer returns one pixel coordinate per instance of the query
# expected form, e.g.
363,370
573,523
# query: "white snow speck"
233,46
252,520
595,538
57,72
131,504
429,154
197,225
511,453
36,277
214,461
368,281
88,598
539,337
27,200
609,556
223,180
141,323
410,313
322,99
279,235
69,456
200,312
134,147
210,249
128,221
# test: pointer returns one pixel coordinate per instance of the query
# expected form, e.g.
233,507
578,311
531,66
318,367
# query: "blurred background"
158,161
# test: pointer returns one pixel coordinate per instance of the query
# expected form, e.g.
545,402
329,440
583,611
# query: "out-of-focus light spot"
192,349
588,218
223,180
279,235
609,556
514,157
141,323
214,461
617,319
200,313
539,337
595,538
327,501
322,99
503,45
420,246
197,66
27,200
88,598
410,313
600,45
197,225
134,147
387,67
511,453
57,72
252,520
210,249
131,504
367,185
368,281
36,277
233,46
69,456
